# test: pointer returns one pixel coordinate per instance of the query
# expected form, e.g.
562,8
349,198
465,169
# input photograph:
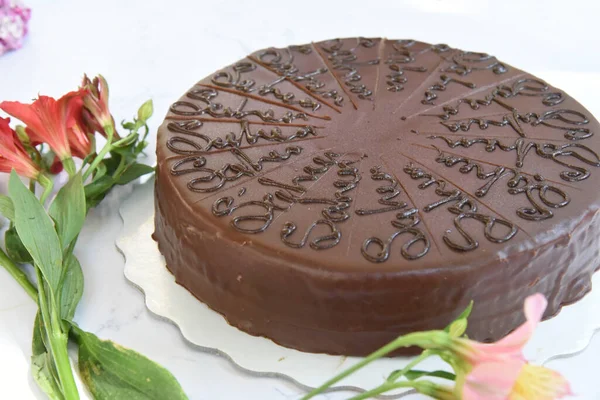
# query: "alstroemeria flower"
79,133
511,345
514,380
96,101
49,120
499,371
13,154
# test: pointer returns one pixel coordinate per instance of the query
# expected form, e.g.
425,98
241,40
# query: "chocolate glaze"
334,195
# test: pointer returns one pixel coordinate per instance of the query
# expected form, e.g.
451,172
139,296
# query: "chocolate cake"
334,195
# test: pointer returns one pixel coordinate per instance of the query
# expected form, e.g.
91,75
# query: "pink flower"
13,25
12,153
514,380
498,371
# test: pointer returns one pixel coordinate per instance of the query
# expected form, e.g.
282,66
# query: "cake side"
354,315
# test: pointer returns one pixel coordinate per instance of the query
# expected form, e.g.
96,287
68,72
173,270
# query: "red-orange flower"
12,153
96,101
49,120
79,133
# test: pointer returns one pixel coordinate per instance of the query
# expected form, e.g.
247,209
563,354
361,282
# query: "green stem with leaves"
48,185
105,150
57,340
386,387
69,166
424,355
422,339
17,273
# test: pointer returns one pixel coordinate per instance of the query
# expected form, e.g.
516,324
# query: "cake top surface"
381,155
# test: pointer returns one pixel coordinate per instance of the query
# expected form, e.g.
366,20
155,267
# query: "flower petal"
79,141
24,113
540,383
12,153
492,380
53,114
535,306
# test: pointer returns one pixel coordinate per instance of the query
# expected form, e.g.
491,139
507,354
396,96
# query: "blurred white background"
157,49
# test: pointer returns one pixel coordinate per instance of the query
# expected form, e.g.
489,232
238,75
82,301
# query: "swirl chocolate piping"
530,87
464,207
571,126
397,62
231,139
546,150
216,110
441,86
346,60
390,192
228,172
465,62
273,59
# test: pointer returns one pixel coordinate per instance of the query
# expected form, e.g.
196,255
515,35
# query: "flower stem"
18,274
57,340
386,387
48,185
69,166
394,376
126,140
120,168
107,147
412,339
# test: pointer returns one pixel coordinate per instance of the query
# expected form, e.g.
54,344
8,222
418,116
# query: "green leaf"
94,201
15,248
128,125
98,187
42,366
127,150
68,210
467,311
36,230
72,288
6,207
38,344
416,374
100,171
112,163
133,172
112,372
41,369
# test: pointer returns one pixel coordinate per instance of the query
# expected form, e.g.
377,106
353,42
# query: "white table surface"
157,49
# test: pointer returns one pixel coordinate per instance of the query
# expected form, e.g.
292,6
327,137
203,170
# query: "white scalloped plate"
566,334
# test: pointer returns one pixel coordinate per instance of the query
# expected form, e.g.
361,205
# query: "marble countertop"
156,49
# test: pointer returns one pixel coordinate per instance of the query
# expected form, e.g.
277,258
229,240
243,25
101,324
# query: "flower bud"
145,111
458,327
22,134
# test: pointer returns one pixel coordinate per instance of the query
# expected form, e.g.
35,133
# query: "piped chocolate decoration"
365,188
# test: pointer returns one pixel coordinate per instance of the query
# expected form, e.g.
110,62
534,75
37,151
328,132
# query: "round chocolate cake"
334,195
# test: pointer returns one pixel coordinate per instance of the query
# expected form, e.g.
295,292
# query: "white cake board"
566,334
